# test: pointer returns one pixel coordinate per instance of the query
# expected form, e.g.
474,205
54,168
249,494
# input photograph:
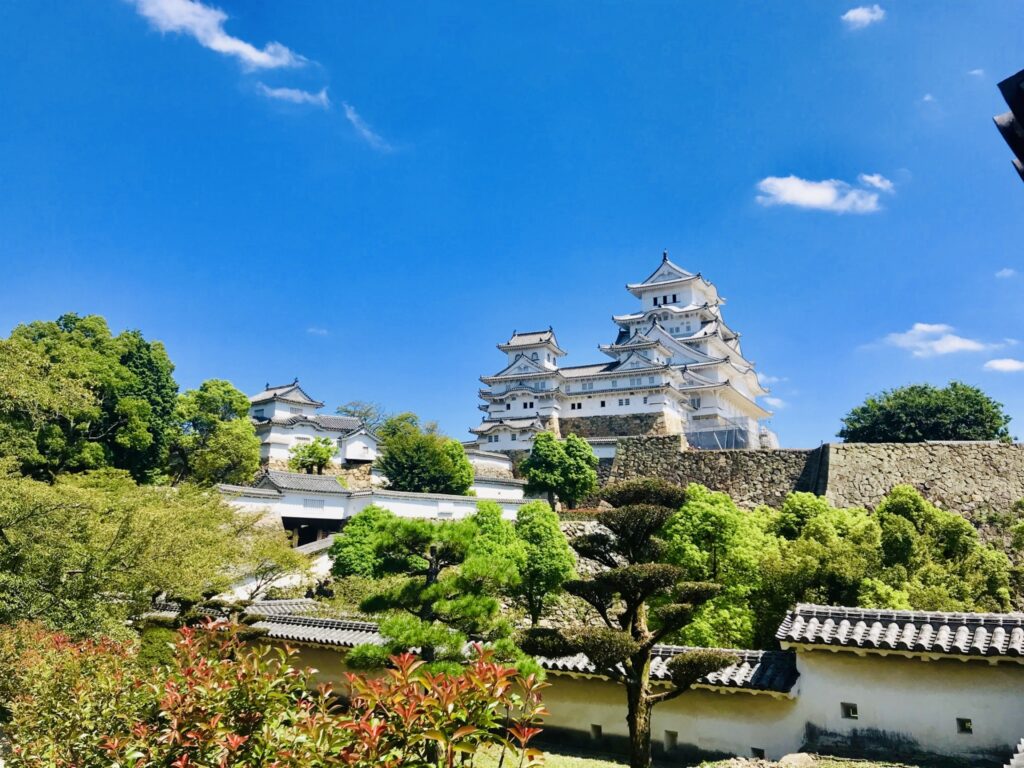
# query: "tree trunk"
638,718
551,499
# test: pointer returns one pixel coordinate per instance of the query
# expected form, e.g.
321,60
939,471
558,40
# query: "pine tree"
641,600
548,562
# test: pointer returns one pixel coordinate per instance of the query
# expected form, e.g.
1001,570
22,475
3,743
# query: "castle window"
645,401
293,409
650,379
673,298
508,406
695,403
534,357
655,301
664,299
312,503
514,437
848,711
964,725
602,403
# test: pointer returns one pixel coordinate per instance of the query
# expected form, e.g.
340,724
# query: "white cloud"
372,138
828,195
932,339
296,96
206,25
863,16
876,180
1006,272
775,402
314,330
977,72
767,379
928,98
1005,365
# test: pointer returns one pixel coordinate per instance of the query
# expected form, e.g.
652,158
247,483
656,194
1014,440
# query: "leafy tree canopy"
313,456
216,442
548,559
415,458
74,397
371,414
921,412
90,550
567,470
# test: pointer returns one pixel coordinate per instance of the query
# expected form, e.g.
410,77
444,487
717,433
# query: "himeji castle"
675,367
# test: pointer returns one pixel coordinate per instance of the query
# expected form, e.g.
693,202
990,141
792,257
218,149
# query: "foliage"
372,415
451,574
417,459
641,599
548,560
921,412
216,442
89,551
354,550
221,703
74,397
567,470
313,456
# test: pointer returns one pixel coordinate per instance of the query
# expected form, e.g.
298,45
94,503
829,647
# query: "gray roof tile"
300,481
275,608
339,632
926,632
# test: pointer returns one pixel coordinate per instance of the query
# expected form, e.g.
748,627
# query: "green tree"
372,415
567,470
216,442
418,460
447,592
75,398
354,550
89,551
922,412
313,456
641,600
548,561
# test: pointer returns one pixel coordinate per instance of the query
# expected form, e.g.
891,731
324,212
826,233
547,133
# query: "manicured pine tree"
548,562
641,600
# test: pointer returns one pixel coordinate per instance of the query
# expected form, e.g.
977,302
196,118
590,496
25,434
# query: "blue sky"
371,195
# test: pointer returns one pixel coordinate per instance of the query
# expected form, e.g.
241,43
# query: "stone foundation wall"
969,478
750,477
613,426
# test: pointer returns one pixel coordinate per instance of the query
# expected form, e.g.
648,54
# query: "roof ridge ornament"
664,256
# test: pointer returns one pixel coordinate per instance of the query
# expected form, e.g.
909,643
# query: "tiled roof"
277,608
487,426
300,481
575,371
773,671
325,422
339,632
530,338
954,634
290,392
248,490
317,546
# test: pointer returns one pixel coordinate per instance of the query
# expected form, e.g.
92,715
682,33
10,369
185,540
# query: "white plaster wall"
359,447
278,441
916,698
281,410
495,489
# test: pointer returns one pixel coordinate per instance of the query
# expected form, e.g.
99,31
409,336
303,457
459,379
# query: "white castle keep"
676,368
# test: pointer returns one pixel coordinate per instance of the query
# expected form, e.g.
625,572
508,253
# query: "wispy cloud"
976,72
1006,273
206,25
933,339
876,180
775,402
767,379
314,330
1005,365
827,195
296,96
928,99
368,135
863,16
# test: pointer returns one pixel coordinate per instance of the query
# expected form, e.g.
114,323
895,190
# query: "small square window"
514,437
595,731
602,403
671,740
849,711
964,725
757,753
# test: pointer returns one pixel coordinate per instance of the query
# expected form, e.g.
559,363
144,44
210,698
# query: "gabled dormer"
282,401
671,285
540,347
